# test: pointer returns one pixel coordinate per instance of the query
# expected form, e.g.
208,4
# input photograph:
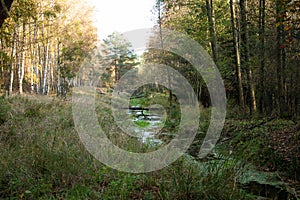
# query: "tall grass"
43,158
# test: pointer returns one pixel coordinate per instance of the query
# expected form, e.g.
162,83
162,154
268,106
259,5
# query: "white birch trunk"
12,63
46,58
22,62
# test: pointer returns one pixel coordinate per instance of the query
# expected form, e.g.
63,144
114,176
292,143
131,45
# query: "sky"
122,15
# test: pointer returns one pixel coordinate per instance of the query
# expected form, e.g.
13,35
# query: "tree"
235,37
43,43
212,27
262,86
247,43
246,54
4,10
118,57
280,55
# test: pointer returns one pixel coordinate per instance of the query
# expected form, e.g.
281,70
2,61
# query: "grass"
42,157
138,102
142,123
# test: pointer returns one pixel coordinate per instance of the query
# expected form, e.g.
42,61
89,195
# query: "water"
149,133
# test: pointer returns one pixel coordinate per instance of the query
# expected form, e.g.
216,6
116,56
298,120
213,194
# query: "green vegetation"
142,123
139,102
5,109
119,58
43,158
255,46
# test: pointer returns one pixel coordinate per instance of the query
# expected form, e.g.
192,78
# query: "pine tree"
118,56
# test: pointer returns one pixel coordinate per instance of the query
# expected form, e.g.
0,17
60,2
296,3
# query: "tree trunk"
262,71
279,57
212,29
32,57
58,70
246,54
46,55
37,71
159,10
297,94
237,53
116,71
46,60
2,65
22,60
12,63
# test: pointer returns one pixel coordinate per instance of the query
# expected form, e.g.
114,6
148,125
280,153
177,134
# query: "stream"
263,184
148,124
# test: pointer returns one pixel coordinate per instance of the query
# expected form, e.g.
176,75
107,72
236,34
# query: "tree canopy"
119,56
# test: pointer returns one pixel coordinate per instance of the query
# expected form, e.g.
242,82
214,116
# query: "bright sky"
122,15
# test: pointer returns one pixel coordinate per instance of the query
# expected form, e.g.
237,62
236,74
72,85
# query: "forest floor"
42,157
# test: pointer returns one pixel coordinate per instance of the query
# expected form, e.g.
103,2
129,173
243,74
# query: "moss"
142,124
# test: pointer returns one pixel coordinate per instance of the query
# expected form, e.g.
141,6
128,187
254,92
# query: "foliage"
142,124
258,24
45,43
256,157
43,158
269,144
118,57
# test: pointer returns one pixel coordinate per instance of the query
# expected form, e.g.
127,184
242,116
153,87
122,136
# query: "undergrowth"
42,157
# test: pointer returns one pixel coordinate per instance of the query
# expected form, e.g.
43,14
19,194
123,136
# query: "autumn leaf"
288,28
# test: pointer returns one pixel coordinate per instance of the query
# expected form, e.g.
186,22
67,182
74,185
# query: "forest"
255,47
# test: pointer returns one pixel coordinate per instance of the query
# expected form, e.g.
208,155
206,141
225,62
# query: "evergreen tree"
118,56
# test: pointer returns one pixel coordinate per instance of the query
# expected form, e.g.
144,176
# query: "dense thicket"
42,45
255,45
